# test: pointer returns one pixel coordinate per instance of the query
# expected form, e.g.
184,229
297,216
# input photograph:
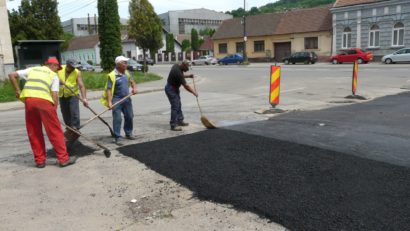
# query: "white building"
80,26
183,21
6,49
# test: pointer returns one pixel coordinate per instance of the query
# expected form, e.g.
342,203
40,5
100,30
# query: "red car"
352,54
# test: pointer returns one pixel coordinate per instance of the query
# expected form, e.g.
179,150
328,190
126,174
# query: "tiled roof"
294,21
306,20
258,25
85,42
341,3
208,45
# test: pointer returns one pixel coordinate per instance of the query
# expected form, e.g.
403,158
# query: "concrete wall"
71,25
6,49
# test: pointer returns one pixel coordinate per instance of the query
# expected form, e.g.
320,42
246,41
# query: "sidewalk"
147,87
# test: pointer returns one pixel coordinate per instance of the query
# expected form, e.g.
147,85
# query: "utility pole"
244,31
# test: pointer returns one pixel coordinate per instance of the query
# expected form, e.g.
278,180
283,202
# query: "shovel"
208,124
95,113
107,152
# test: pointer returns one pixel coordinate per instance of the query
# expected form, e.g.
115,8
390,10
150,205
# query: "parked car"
205,60
351,55
236,58
134,66
402,55
148,60
86,67
301,57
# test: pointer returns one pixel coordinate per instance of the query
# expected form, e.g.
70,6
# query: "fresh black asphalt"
312,178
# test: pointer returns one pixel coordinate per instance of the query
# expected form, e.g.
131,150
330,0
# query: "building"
86,26
83,49
276,35
183,21
6,49
375,25
86,48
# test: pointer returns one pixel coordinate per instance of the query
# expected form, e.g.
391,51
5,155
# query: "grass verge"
92,81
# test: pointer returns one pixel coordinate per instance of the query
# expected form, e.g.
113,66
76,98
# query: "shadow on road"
298,186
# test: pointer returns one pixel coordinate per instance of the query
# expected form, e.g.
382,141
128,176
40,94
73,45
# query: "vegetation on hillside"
278,6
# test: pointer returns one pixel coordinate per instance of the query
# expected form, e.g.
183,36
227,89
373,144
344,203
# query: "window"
223,48
398,34
347,38
374,35
311,43
239,47
259,46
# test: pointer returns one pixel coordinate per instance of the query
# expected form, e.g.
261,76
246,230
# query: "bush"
90,62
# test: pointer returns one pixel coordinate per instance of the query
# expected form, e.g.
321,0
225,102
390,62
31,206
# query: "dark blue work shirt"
121,85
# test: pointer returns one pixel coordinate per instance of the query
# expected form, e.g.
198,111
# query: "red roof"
341,3
208,45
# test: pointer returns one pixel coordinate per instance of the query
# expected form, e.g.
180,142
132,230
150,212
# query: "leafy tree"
194,40
145,26
280,5
109,33
67,38
35,20
207,32
186,44
170,43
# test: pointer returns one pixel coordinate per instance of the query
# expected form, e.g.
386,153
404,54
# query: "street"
96,193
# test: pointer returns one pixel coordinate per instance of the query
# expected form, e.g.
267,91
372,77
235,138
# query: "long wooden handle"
95,113
85,137
197,100
93,118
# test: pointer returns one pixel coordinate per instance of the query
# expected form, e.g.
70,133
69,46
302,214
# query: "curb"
20,105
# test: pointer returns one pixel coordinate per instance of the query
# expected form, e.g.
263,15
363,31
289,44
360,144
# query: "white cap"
120,59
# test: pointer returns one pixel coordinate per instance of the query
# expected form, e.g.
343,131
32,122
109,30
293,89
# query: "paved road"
229,95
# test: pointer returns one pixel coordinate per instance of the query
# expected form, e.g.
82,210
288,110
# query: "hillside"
280,5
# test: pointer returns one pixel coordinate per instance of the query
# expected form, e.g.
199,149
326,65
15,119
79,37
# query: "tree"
35,20
186,44
209,32
67,38
194,40
170,46
145,26
109,33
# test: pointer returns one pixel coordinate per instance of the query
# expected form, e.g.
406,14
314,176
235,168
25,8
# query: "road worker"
40,96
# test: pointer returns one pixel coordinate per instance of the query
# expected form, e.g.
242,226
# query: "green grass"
92,81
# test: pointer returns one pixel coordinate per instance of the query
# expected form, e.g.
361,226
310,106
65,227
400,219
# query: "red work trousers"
42,112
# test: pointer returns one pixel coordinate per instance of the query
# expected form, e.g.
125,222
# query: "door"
400,56
282,50
407,56
351,56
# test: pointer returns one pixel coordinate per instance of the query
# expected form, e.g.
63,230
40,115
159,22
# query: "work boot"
118,142
176,128
71,161
130,137
183,124
41,165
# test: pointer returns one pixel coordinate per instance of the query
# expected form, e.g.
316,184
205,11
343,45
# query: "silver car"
402,55
205,60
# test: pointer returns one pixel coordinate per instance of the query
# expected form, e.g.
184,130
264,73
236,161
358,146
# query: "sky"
76,9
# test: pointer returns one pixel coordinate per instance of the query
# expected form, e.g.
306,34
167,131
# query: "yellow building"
276,35
6,52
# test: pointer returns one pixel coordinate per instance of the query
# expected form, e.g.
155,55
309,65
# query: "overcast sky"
75,9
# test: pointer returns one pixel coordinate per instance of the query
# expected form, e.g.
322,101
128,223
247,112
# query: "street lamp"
245,58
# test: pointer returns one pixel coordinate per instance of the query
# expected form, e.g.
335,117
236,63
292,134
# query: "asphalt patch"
300,187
